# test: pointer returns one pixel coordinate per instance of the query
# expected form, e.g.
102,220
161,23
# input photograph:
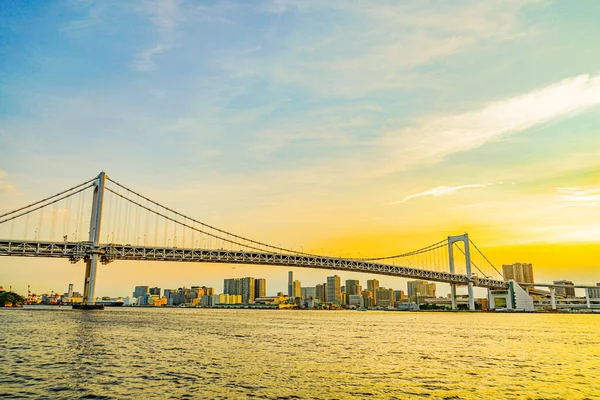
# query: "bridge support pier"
587,298
553,298
471,297
465,240
453,295
490,297
91,263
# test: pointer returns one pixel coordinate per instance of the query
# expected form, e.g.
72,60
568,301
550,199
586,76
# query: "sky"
360,128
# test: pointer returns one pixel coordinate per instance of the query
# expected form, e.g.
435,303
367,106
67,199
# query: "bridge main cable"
435,246
44,205
204,232
48,198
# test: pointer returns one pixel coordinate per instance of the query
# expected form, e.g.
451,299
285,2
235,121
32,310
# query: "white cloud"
434,138
144,62
166,16
580,196
441,191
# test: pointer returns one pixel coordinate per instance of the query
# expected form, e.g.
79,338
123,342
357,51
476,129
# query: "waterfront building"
334,289
291,284
321,292
399,297
232,286
247,290
519,272
70,291
355,300
565,291
420,289
206,301
352,287
367,299
385,297
260,287
155,291
141,291
309,292
296,289
372,286
203,291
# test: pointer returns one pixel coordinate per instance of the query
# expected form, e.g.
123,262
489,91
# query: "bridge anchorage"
140,229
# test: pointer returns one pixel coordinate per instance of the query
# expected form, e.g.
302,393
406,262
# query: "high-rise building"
385,297
420,289
367,298
70,291
247,290
260,287
352,288
565,291
399,296
321,293
296,289
309,292
141,291
155,291
372,286
334,289
232,286
519,272
291,284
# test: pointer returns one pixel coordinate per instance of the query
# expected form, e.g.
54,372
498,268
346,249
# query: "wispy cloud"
580,196
144,60
166,16
441,191
434,138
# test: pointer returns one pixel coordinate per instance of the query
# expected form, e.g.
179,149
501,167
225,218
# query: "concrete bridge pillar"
465,239
553,297
91,264
453,295
587,298
490,296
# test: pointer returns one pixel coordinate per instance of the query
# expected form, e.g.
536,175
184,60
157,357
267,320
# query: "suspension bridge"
125,225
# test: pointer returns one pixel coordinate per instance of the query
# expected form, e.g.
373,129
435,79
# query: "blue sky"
283,117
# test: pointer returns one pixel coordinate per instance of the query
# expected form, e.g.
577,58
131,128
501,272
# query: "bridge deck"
76,251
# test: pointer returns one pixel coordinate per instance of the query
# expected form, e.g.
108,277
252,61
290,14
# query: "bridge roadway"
75,251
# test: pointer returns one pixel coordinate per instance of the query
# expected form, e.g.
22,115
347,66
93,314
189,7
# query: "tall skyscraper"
321,293
247,290
352,288
141,291
334,289
372,286
232,286
519,272
155,291
291,284
70,291
296,289
260,287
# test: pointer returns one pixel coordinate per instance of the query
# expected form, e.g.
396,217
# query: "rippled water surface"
229,354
